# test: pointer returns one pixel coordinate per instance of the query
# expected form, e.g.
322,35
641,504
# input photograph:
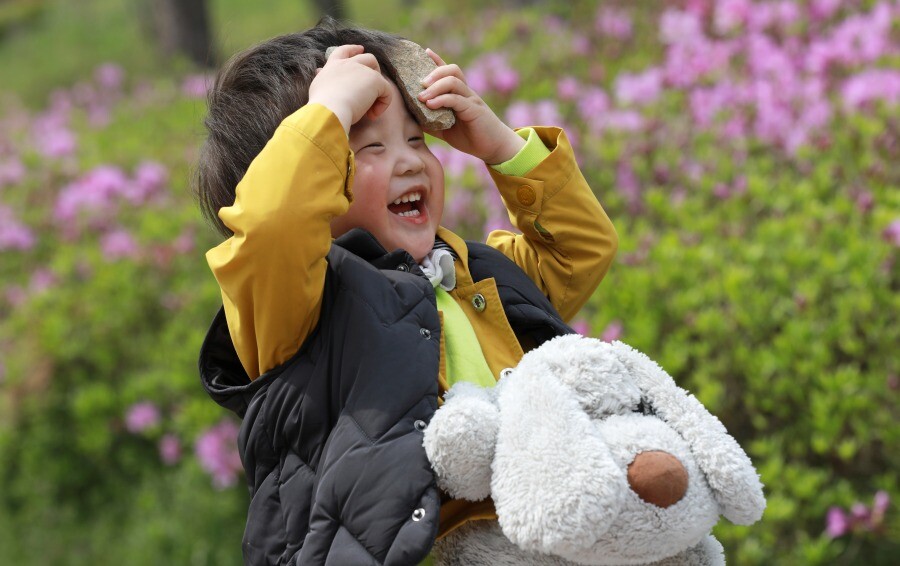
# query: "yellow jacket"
272,270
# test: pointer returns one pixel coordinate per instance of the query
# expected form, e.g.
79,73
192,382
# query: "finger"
442,72
384,99
435,57
346,51
459,104
446,85
368,60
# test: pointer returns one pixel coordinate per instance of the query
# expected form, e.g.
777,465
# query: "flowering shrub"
745,150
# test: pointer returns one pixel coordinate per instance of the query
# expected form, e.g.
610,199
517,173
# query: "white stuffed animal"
592,455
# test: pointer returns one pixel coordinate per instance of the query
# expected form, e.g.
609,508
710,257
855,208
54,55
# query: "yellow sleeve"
272,270
567,243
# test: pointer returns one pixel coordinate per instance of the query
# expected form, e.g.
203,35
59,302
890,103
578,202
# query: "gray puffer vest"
331,440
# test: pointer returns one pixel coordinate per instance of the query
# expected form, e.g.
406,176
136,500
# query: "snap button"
526,195
478,302
403,267
505,372
425,333
418,514
420,425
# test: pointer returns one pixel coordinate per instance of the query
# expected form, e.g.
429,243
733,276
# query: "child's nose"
409,162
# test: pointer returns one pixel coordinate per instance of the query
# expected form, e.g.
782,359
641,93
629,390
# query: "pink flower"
195,86
676,26
568,88
14,235
519,114
459,207
881,502
184,243
95,192
640,88
891,234
624,121
110,76
150,177
15,295
593,103
216,449
824,9
492,72
612,332
169,449
582,327
12,171
497,222
731,14
55,142
871,85
478,80
141,416
505,80
615,23
118,244
859,513
42,279
581,45
837,523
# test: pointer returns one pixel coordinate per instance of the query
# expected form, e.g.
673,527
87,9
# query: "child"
334,352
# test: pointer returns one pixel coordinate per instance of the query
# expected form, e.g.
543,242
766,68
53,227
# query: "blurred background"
747,152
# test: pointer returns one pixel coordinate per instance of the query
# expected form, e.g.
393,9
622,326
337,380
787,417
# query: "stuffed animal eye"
644,407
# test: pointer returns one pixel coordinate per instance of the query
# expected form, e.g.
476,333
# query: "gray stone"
412,64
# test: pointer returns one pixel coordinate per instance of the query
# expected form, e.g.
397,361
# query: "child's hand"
351,85
478,131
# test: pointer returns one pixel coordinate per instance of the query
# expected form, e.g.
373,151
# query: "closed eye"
416,139
373,145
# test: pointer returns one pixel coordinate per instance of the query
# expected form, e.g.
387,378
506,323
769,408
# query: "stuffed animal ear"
729,472
556,487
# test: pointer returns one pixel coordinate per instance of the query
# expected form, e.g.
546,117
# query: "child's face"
393,162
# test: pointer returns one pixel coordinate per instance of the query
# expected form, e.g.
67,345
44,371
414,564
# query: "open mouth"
409,205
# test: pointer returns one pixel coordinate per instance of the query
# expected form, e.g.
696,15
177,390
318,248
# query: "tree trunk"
181,26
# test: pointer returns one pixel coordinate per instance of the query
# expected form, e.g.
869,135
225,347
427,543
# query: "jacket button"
403,267
425,333
420,425
418,514
526,195
478,302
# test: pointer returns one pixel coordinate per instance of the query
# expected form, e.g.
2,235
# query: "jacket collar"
362,243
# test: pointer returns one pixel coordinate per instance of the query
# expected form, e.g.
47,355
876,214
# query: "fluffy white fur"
482,543
552,445
460,440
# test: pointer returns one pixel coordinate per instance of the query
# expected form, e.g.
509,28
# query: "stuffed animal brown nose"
658,478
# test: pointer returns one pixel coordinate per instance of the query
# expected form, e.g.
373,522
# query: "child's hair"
257,89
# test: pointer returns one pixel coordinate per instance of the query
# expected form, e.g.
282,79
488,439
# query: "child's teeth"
405,198
397,201
412,213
